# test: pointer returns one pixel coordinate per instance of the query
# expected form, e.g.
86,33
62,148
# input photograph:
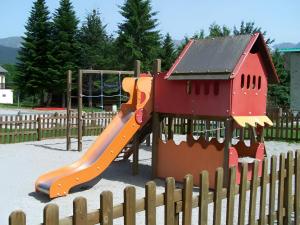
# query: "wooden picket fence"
22,128
272,198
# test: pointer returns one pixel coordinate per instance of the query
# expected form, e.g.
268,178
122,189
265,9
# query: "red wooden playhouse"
219,79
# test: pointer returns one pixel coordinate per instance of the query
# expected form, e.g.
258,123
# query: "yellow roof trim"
252,120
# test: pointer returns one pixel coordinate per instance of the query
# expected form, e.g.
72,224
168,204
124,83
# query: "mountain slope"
8,55
11,42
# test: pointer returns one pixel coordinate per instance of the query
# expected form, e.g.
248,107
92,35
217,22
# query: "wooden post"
137,68
135,162
156,131
39,130
170,125
69,105
228,138
136,144
90,84
207,127
79,122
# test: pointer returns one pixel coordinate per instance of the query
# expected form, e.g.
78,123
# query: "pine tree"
138,37
168,53
65,47
95,44
32,77
250,28
216,30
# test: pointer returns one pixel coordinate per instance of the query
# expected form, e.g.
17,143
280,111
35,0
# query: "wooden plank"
79,211
263,193
187,199
203,198
169,201
17,218
129,205
242,197
106,208
297,187
288,189
217,196
281,177
253,194
231,196
150,203
51,215
272,189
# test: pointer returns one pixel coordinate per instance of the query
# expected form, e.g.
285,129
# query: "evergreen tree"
168,53
65,47
32,77
250,28
279,94
216,30
138,37
95,44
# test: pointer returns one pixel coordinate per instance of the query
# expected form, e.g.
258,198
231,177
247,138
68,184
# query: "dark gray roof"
214,57
2,70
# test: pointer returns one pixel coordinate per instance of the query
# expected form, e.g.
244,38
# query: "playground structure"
222,79
89,74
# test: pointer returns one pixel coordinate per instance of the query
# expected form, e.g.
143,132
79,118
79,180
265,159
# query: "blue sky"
178,17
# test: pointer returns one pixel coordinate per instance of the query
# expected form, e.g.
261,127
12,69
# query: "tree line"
53,44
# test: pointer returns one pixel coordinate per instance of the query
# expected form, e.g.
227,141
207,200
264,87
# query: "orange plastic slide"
133,115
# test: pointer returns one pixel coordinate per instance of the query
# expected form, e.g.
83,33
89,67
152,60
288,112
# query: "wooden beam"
79,110
69,105
137,68
228,138
108,72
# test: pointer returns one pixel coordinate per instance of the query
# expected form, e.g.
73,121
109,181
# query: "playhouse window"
206,88
216,88
259,82
248,81
188,87
242,81
253,82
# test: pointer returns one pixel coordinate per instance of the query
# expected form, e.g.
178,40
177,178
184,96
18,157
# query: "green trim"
289,49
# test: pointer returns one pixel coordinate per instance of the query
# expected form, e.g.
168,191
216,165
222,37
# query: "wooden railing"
278,200
21,128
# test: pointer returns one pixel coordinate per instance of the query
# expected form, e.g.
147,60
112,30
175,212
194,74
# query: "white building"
6,95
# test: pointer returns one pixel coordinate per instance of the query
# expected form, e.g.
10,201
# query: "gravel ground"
22,163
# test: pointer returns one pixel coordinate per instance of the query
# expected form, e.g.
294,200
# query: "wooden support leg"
242,137
228,139
252,135
135,163
170,130
207,127
156,133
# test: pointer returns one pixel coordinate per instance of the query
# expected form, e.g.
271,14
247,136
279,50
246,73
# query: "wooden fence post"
297,187
129,206
203,198
51,215
106,208
39,129
187,199
263,193
231,196
217,196
288,189
243,194
169,201
79,211
150,203
17,218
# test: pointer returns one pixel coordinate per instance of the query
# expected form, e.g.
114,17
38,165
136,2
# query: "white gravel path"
22,163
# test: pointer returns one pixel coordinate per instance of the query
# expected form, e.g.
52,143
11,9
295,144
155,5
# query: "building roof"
2,70
289,50
218,58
